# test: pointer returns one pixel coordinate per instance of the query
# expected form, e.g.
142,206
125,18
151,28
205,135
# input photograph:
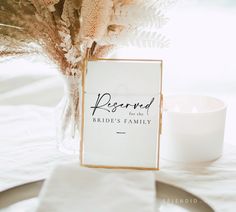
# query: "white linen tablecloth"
28,152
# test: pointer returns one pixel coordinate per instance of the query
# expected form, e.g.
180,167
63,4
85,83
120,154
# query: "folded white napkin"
72,188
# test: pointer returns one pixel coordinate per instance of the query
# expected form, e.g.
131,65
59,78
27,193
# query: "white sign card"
121,114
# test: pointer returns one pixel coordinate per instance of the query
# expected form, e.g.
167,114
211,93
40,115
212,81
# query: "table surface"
28,149
28,152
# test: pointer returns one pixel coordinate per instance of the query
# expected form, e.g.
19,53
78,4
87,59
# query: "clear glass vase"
68,115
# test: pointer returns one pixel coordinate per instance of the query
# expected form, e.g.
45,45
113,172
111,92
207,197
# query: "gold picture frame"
82,118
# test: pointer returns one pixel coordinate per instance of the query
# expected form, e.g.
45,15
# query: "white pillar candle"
193,128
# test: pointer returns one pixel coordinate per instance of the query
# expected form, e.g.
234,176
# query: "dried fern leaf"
145,39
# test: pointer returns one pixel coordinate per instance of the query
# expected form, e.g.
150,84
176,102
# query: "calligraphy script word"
104,102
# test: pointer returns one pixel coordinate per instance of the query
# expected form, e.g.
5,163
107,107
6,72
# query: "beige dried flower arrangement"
64,29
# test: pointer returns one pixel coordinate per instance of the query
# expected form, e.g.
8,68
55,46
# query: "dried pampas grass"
64,29
95,19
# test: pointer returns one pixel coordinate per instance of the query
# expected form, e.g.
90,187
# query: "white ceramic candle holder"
193,128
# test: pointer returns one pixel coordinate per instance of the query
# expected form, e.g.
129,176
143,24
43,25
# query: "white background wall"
202,54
